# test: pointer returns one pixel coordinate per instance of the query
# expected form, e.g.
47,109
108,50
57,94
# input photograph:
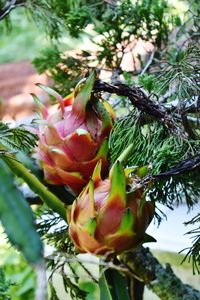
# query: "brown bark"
141,101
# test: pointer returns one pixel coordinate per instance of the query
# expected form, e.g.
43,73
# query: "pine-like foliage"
155,146
4,286
55,16
54,231
194,251
17,138
117,26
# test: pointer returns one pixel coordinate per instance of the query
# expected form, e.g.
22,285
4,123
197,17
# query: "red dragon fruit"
74,137
106,218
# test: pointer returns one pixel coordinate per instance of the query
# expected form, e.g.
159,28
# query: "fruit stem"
36,186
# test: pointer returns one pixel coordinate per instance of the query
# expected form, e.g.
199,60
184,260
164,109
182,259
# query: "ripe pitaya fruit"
105,218
74,138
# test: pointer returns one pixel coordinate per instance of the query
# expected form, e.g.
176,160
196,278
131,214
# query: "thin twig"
141,101
182,167
10,5
149,62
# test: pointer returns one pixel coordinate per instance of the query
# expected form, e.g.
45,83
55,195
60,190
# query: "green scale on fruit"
74,137
110,215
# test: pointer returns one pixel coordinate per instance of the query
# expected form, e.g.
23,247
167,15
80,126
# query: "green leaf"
53,292
17,218
4,286
104,289
73,289
118,285
17,138
121,157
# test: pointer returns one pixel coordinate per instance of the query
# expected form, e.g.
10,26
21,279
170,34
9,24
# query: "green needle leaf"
118,284
104,289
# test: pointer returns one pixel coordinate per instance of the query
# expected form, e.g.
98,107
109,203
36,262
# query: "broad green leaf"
104,289
17,218
118,284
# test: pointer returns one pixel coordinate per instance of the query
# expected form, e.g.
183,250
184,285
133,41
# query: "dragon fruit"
74,137
106,218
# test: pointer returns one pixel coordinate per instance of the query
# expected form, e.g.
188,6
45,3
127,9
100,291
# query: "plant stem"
36,186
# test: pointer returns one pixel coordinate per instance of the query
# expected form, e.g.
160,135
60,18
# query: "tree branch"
184,166
136,96
149,62
142,102
10,5
161,280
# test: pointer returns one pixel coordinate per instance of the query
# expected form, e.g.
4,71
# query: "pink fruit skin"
108,235
72,140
